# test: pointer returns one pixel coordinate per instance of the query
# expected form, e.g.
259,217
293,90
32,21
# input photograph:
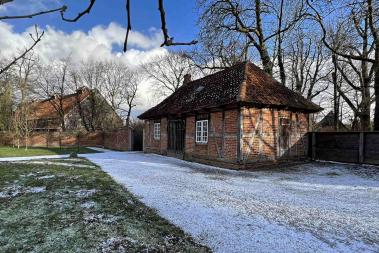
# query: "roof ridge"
215,73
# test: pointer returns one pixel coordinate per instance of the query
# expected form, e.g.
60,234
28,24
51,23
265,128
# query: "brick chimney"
187,78
81,89
55,96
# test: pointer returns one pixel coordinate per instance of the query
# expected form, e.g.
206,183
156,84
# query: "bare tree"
24,120
218,53
365,17
54,84
120,87
6,100
131,94
258,24
24,123
91,75
307,63
167,72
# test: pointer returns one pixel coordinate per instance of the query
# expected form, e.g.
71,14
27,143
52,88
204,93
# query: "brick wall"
152,145
120,139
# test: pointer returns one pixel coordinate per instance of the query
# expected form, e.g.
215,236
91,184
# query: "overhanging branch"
36,39
169,41
61,9
80,14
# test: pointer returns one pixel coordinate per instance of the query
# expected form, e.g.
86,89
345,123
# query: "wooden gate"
176,135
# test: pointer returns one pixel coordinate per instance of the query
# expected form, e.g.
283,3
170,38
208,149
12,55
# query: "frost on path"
309,208
55,163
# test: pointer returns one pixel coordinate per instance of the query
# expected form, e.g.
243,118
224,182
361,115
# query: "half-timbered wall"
270,135
239,137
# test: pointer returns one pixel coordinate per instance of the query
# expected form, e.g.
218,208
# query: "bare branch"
36,39
5,1
61,9
129,28
81,14
319,20
169,41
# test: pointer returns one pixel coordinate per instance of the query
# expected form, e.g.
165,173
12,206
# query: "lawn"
6,151
70,205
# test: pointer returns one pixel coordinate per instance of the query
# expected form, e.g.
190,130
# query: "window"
202,131
157,131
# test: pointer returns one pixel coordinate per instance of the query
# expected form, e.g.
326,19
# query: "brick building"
239,117
327,124
84,109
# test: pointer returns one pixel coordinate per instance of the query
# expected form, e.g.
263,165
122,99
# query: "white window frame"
157,131
201,129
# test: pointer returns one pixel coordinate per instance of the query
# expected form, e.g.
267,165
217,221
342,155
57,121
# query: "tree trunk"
128,117
281,67
266,60
376,89
26,142
336,104
365,104
265,57
335,93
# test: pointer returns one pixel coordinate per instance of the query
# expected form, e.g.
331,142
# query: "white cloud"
99,43
29,6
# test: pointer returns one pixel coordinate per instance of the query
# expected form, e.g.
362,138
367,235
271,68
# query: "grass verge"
70,205
6,151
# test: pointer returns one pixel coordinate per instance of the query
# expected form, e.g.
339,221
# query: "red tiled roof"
47,109
242,84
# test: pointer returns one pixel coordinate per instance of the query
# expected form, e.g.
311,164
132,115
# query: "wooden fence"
351,147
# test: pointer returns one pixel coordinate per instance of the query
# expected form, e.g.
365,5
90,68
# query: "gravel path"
309,208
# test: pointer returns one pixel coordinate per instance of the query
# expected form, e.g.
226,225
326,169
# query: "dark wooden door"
176,134
137,139
284,136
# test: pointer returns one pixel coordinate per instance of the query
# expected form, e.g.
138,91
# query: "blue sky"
181,16
99,35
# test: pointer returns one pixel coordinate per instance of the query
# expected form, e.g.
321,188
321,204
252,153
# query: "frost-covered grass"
6,151
52,207
315,207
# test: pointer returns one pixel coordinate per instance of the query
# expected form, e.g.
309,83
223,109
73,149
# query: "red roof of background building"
49,108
